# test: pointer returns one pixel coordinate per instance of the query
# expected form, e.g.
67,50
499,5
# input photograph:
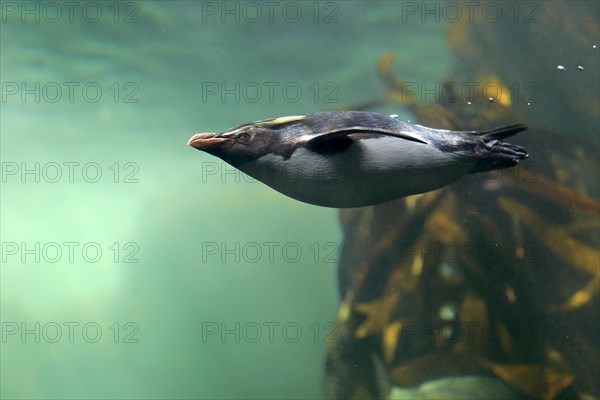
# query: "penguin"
346,159
457,387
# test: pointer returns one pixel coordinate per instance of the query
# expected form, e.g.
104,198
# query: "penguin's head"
237,146
248,142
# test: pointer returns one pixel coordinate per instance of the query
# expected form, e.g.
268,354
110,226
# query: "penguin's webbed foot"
506,149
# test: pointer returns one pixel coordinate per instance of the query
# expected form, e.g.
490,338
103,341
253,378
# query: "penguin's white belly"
370,171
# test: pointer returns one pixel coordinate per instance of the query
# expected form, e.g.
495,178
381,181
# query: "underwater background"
134,266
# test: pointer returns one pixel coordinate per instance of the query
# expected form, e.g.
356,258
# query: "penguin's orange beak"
203,141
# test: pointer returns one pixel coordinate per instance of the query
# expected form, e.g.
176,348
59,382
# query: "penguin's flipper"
363,132
338,140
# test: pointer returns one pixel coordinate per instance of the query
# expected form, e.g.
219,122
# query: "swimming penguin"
354,158
454,387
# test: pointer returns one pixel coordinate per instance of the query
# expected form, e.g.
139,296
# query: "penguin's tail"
493,153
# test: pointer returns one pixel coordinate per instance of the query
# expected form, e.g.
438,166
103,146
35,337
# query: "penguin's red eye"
244,136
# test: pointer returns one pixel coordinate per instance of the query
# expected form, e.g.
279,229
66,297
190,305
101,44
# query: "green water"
188,247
